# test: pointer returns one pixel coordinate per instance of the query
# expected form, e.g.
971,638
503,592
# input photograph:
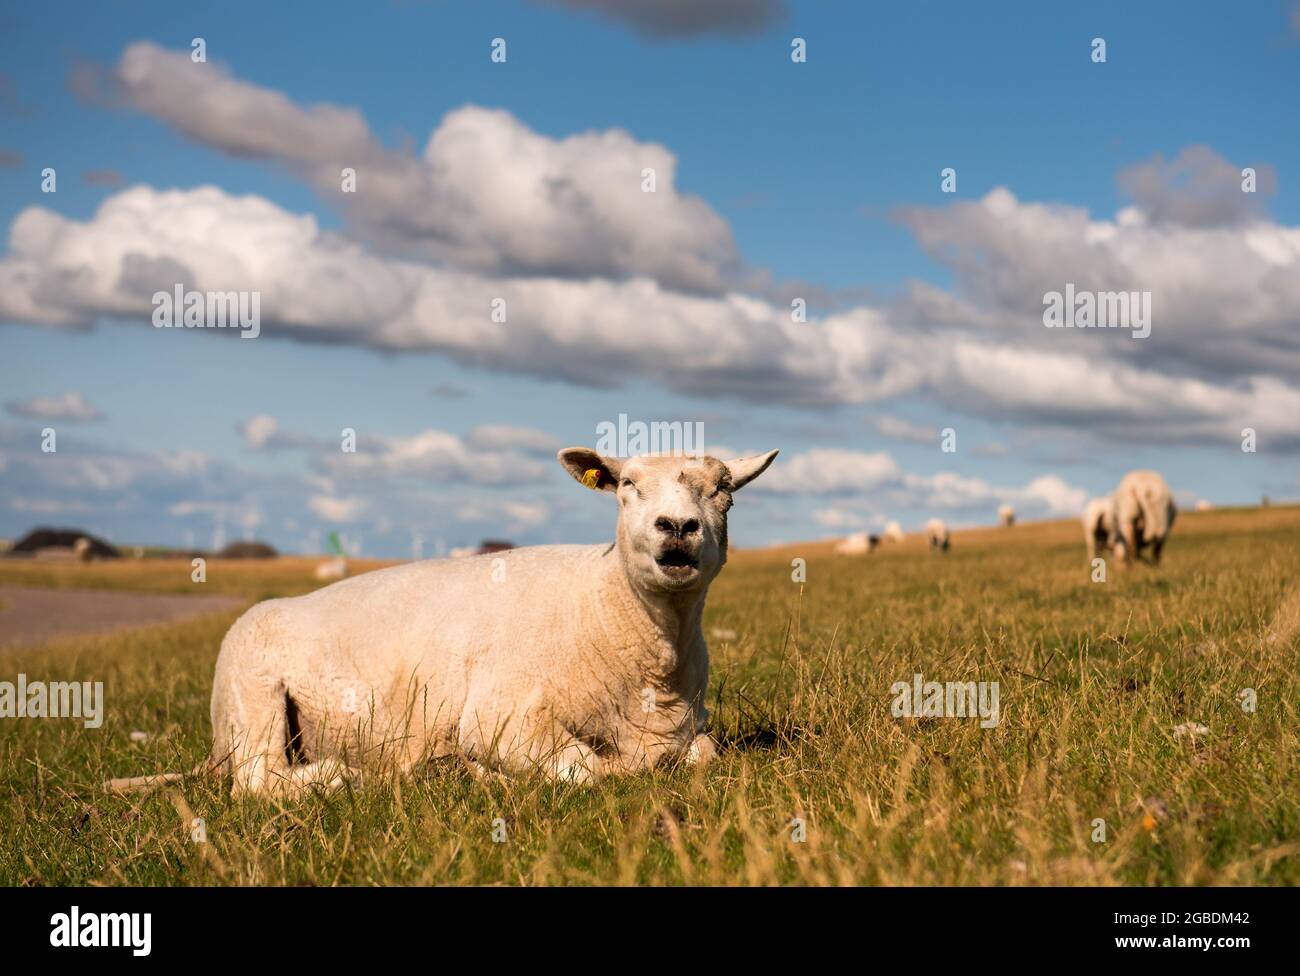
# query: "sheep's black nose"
677,528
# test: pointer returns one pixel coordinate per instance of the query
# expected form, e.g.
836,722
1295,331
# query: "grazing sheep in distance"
1099,525
577,661
893,532
1204,505
1006,516
1144,514
852,545
938,534
332,569
857,544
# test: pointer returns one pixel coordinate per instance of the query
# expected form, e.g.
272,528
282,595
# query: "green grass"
1093,679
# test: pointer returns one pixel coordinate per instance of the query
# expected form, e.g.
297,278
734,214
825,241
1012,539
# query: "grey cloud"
449,391
103,178
684,18
1224,300
1197,188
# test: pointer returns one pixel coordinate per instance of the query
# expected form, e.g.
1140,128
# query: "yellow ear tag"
591,477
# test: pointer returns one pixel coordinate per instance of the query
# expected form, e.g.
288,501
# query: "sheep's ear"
745,470
591,469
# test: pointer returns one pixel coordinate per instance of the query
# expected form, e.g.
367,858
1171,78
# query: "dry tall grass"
1094,680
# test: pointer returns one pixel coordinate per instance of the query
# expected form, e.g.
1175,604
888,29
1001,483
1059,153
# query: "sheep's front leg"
330,774
561,759
574,762
270,775
702,751
1126,550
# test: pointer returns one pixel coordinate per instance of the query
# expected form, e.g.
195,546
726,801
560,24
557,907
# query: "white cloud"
434,455
114,484
488,193
560,229
514,516
339,510
69,406
263,433
827,471
900,429
1053,495
47,506
316,285
839,518
1044,495
863,481
259,430
188,507
112,490
504,437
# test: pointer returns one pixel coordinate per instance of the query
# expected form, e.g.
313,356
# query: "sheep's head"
672,520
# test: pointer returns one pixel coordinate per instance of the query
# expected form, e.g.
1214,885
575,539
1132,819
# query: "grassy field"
1094,679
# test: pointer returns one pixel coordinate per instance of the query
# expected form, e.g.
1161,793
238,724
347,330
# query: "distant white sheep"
857,544
937,532
332,569
1144,514
1099,525
852,545
893,532
1006,516
575,660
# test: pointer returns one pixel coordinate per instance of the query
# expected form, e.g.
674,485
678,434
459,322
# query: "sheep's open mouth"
677,564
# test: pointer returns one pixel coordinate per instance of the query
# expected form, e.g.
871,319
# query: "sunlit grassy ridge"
1094,679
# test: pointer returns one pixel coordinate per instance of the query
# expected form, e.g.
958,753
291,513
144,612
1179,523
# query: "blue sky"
810,167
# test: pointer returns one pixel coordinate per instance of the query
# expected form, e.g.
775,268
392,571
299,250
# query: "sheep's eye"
626,483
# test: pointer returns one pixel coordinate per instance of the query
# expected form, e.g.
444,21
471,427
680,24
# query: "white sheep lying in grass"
857,544
575,660
893,532
1099,525
1006,516
1144,514
937,532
